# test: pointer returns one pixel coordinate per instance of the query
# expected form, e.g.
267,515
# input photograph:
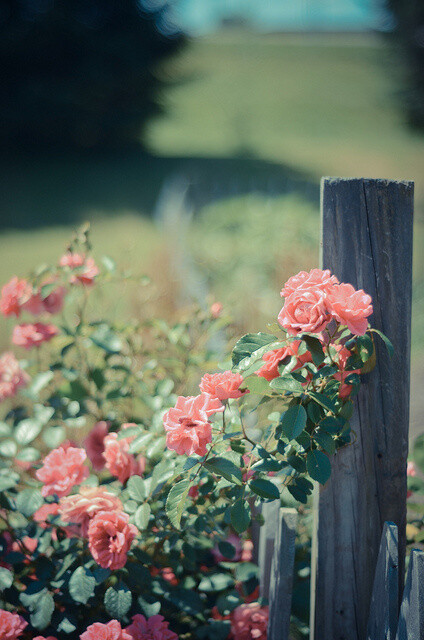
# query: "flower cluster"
314,299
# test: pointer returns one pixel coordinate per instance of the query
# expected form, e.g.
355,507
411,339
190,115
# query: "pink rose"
350,307
187,424
216,310
247,551
119,462
305,310
33,335
110,631
45,638
83,506
274,358
249,622
109,538
153,628
222,385
53,303
94,444
12,377
13,295
87,268
62,469
411,470
34,305
42,514
11,625
235,542
314,279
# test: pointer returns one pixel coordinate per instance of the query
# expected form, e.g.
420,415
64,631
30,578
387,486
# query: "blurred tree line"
409,34
81,73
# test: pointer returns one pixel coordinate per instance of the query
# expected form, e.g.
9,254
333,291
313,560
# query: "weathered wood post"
367,241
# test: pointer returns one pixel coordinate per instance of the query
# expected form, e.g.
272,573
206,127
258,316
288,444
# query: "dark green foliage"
408,34
81,73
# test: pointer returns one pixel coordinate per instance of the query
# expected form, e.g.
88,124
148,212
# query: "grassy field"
252,123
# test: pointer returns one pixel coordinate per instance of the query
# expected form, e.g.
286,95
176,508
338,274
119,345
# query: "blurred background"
192,134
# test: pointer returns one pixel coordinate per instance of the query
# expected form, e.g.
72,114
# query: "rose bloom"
305,310
42,514
273,359
53,303
110,631
62,469
94,444
11,625
187,424
222,385
314,279
13,295
350,307
411,470
109,538
83,506
119,462
216,310
34,305
33,335
85,275
12,377
153,628
44,638
249,622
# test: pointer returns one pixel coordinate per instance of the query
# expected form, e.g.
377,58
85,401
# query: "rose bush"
126,504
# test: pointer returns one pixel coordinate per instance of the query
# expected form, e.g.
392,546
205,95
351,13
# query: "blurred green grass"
242,105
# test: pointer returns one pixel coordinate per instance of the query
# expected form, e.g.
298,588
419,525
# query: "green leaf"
245,571
293,421
315,349
216,582
40,603
389,346
8,479
8,448
325,441
240,515
175,502
264,489
286,383
118,600
28,501
54,436
142,516
29,454
324,401
109,264
26,431
137,488
81,585
256,384
225,468
39,382
106,339
318,466
330,424
5,430
6,578
250,347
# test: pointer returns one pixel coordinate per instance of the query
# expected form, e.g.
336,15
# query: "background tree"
409,34
81,73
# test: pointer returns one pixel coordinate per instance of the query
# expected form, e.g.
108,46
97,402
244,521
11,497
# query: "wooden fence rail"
359,544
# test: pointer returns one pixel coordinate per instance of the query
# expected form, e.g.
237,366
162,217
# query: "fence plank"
411,619
367,241
270,511
281,582
383,619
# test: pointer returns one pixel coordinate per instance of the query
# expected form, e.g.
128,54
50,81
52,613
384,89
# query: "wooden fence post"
367,241
267,535
281,580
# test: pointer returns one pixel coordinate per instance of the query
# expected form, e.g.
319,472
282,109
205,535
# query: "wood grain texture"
411,618
383,618
281,582
268,531
367,241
